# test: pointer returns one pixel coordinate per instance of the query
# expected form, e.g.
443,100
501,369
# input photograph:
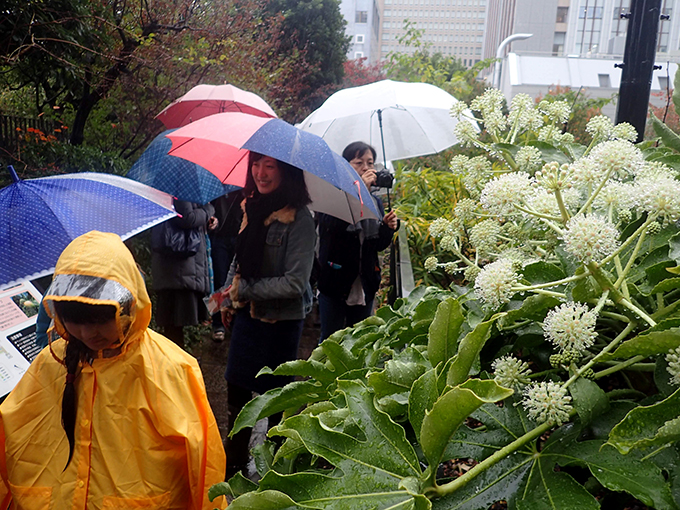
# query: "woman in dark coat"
269,294
349,272
181,283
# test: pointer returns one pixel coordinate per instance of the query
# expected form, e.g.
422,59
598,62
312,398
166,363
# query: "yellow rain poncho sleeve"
145,435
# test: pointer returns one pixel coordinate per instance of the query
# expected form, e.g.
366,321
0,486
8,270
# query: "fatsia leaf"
340,357
502,425
589,399
444,331
549,152
385,450
468,352
668,137
542,272
424,393
237,485
533,307
355,488
550,490
291,396
500,482
624,473
304,368
265,500
399,373
449,412
657,340
646,426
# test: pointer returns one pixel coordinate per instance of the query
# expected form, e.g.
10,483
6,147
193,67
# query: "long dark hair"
76,351
357,150
292,184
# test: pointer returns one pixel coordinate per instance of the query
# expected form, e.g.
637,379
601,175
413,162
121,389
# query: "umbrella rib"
234,167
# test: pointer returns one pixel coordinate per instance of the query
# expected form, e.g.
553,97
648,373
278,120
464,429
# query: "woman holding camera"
349,273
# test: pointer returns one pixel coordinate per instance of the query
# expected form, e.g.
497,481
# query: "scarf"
250,242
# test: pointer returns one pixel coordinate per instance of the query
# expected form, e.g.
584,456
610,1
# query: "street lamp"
499,56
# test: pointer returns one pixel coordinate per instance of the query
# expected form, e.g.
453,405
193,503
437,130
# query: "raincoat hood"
97,268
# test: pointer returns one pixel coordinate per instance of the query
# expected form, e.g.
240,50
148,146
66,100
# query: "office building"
450,27
363,26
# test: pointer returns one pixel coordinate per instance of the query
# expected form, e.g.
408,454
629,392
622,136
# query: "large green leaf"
547,489
498,483
424,393
640,478
550,153
533,308
501,426
304,368
589,399
385,448
399,373
449,412
340,357
646,426
371,458
265,500
542,272
444,331
657,340
291,396
468,352
668,137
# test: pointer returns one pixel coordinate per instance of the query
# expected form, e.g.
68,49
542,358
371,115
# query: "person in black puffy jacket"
349,268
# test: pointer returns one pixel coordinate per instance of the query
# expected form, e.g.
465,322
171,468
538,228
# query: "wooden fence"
12,128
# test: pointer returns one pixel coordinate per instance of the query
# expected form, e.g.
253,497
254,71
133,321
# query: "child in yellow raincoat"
115,416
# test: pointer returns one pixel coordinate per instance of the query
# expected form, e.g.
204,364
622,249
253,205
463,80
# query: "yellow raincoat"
145,435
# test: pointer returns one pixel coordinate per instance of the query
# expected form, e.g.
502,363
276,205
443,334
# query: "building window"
558,43
620,25
605,81
360,38
663,83
358,54
664,29
361,17
562,13
589,26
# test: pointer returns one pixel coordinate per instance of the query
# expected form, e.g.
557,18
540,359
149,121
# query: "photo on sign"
27,303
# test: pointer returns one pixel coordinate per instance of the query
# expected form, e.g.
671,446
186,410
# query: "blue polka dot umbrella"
40,217
221,144
181,178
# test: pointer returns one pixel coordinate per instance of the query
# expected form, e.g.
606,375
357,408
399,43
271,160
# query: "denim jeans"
336,314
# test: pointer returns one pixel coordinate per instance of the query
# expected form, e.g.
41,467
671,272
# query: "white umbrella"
404,119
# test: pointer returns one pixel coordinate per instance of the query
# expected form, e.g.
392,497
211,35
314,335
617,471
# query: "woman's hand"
369,177
391,220
213,223
227,314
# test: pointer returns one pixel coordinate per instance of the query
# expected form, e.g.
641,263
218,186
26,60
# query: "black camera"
383,179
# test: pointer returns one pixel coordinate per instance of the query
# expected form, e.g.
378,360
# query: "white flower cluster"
554,176
466,211
570,326
600,127
620,157
484,235
431,263
547,402
466,133
493,285
458,109
544,202
557,111
523,116
673,360
528,158
619,196
500,195
590,238
448,243
660,195
511,372
490,105
440,227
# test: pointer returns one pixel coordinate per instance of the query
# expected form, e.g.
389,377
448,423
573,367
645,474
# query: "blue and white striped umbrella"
40,217
181,178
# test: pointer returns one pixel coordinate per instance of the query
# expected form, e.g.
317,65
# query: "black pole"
382,140
638,63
